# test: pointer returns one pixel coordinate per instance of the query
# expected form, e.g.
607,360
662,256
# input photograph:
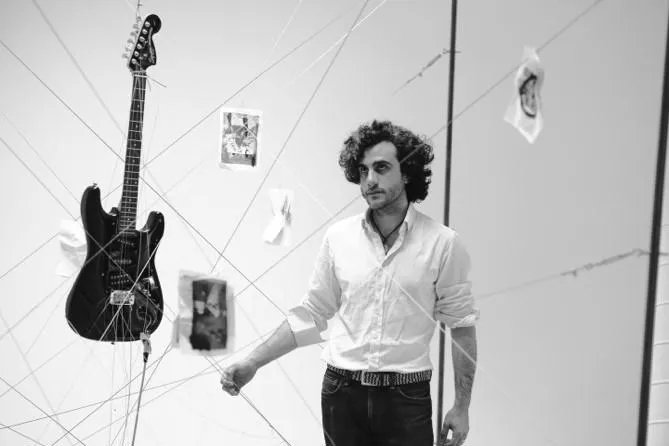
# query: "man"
387,275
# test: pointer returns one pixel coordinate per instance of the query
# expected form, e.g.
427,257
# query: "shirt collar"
409,219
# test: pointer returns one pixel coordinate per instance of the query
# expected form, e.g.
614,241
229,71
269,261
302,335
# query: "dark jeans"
357,415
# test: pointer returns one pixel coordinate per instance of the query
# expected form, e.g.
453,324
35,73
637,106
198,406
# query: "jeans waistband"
382,379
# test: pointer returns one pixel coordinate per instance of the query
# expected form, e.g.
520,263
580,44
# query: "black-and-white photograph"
239,137
209,329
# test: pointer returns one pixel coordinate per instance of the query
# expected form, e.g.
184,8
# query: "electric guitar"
116,295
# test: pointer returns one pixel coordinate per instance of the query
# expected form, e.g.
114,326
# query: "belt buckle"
363,381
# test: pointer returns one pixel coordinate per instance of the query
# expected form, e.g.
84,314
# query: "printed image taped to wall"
239,137
528,94
210,322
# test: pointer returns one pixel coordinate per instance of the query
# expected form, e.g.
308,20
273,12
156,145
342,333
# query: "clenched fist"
237,375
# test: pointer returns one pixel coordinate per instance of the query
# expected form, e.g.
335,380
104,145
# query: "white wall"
559,361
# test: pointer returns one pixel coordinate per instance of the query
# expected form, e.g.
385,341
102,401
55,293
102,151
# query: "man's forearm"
282,341
464,364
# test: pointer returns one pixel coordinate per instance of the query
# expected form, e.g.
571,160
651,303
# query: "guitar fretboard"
128,205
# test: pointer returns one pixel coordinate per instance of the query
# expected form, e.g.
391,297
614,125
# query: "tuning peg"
136,26
125,56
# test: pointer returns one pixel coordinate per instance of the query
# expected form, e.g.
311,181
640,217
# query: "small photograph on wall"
206,319
209,330
239,141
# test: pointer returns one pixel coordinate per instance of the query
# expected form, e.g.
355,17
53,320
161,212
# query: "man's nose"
371,178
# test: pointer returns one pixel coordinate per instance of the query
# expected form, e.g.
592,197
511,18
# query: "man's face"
381,181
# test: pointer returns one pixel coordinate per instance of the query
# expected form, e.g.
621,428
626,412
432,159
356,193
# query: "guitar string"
571,23
249,319
334,44
455,343
46,188
134,137
37,406
4,426
36,177
284,30
127,402
317,88
111,404
573,271
51,293
102,337
294,127
150,271
181,381
96,409
36,369
11,52
246,85
39,156
36,380
277,62
178,383
101,402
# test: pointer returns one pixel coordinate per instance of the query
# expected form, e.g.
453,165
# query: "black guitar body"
119,267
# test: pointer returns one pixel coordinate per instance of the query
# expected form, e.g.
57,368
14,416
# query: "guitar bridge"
122,297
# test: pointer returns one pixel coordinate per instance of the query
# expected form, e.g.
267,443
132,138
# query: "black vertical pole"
654,255
447,201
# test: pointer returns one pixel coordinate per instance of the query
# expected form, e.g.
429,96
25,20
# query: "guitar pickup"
122,297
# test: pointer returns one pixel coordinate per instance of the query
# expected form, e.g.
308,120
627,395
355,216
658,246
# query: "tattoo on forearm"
464,365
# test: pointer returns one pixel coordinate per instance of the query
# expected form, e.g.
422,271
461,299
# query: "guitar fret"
129,196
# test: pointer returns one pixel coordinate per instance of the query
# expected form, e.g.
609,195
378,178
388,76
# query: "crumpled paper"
72,241
524,112
278,231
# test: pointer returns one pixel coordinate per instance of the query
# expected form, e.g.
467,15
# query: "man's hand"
237,376
457,422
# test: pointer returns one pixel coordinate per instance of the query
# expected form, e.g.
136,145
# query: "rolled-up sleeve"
321,302
455,306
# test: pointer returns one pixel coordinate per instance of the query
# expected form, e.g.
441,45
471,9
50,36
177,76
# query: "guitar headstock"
143,54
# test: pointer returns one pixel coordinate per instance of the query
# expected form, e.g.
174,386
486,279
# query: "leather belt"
382,379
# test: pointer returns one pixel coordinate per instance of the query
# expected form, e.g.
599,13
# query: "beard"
383,198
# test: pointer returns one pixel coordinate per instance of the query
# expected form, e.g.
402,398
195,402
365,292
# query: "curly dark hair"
413,152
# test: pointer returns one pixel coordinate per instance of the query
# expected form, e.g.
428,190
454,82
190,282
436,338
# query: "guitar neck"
128,205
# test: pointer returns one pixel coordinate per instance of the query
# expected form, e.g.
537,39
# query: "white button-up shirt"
385,305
